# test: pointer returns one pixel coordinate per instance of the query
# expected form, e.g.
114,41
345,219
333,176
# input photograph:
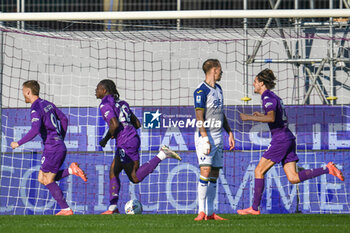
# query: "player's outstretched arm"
258,114
227,128
268,118
35,130
28,137
113,126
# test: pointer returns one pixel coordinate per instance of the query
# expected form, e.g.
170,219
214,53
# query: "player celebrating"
208,102
282,147
123,125
52,125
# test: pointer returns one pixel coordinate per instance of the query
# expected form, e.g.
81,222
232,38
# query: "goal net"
157,71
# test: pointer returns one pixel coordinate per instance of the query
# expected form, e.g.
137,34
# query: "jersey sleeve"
107,112
35,129
269,104
200,99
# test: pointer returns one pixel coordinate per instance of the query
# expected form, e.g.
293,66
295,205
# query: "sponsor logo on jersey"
268,104
199,91
33,111
106,114
198,99
48,108
101,106
217,103
35,119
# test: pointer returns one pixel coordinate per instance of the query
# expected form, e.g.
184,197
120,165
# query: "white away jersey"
212,101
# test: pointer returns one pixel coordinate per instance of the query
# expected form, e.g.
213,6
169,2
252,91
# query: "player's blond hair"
209,64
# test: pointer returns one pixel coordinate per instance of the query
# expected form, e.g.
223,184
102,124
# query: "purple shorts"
129,151
281,152
52,160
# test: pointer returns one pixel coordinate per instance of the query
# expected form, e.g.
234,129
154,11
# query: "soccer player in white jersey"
208,102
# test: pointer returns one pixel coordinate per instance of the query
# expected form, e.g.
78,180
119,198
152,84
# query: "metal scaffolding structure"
332,59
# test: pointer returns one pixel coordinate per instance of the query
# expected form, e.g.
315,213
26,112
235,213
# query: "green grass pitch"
271,223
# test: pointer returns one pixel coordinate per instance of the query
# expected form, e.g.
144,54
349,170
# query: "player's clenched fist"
14,145
205,145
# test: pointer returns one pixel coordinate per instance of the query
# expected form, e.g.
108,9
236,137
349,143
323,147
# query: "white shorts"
214,159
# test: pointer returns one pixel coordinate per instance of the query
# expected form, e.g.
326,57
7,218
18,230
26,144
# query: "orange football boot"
248,211
76,170
215,217
65,212
201,216
333,170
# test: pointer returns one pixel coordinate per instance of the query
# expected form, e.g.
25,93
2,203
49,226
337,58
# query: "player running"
209,106
52,125
282,147
122,126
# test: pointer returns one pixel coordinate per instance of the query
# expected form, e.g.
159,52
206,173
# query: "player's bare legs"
295,177
131,169
48,179
114,185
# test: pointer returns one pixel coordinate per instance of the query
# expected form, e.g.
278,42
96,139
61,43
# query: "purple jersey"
279,129
120,110
50,122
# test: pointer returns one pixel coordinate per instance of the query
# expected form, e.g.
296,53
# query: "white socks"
202,193
211,193
112,207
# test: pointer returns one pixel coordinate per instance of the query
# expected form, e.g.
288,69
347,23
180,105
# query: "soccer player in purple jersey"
282,147
122,126
48,121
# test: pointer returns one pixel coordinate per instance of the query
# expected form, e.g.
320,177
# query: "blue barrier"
172,187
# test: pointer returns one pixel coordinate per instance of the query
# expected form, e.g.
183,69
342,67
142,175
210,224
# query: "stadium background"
159,70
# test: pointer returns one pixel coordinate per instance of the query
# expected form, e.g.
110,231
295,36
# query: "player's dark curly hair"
110,87
268,78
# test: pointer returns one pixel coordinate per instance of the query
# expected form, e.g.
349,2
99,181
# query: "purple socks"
303,175
147,168
61,174
258,191
114,187
57,194
311,173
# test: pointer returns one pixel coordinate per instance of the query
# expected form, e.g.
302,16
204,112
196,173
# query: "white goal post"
158,15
